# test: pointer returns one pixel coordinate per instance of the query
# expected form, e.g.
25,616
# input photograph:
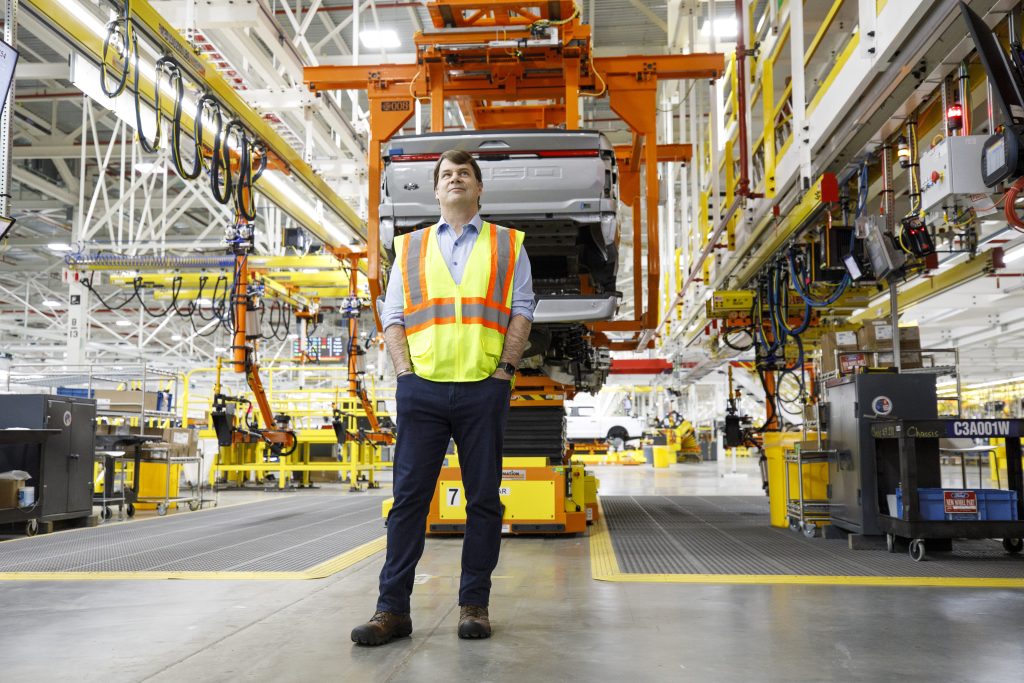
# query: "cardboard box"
9,493
909,359
127,401
182,442
833,343
876,335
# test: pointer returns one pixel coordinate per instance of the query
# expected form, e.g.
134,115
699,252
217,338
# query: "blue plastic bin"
74,392
993,505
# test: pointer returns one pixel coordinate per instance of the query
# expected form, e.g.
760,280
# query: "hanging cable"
153,146
119,35
178,83
88,285
1010,205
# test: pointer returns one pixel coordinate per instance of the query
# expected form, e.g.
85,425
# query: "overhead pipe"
741,100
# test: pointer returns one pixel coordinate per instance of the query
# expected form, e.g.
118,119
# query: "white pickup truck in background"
584,424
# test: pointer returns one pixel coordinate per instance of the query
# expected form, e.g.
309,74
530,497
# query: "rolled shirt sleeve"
523,301
392,312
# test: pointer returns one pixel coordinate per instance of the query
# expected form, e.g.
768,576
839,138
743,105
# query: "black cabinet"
861,475
62,466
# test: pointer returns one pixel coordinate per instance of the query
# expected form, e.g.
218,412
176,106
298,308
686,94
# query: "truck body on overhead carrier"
560,187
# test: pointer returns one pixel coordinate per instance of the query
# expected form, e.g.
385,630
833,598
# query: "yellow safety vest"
456,331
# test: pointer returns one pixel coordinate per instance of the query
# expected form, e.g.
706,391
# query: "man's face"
457,186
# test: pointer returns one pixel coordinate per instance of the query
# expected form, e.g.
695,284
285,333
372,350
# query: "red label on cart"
960,502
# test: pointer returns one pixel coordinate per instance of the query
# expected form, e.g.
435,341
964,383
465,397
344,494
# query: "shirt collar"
477,222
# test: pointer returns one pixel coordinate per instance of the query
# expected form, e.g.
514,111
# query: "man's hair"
457,156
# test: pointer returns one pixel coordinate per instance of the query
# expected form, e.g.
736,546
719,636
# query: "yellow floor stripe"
320,571
604,566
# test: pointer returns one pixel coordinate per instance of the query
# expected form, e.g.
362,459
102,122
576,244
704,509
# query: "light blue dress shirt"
455,250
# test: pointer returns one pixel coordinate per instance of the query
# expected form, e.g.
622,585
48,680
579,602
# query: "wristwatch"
507,367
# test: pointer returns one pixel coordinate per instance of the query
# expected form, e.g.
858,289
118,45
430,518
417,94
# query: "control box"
723,302
952,167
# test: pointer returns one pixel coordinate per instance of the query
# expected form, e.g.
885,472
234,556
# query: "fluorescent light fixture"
176,337
1014,255
52,303
309,270
293,336
203,303
58,246
147,166
385,39
995,383
724,28
123,323
91,21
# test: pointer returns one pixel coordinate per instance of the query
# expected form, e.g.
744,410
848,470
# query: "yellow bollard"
662,456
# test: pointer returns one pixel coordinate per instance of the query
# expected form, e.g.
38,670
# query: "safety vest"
456,331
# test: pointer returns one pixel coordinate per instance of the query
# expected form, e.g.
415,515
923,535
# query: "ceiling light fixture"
52,303
724,28
385,39
58,246
1014,255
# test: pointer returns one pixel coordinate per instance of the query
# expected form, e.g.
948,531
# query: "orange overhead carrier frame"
525,64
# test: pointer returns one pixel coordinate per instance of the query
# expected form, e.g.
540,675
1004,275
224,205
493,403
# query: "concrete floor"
552,622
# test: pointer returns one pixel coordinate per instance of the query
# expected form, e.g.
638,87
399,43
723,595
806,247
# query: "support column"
572,88
11,38
801,131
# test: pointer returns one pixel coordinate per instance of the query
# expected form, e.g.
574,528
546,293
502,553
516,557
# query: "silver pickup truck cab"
560,187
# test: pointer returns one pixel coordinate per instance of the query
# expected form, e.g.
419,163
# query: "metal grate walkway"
291,535
730,535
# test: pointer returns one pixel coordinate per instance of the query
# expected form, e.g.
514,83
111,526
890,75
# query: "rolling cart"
125,444
115,488
805,514
911,525
32,440
163,503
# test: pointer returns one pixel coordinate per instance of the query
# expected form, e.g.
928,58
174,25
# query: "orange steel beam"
494,78
675,152
476,71
522,117
472,43
463,13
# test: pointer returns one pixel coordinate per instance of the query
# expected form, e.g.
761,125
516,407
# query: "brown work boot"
473,622
382,628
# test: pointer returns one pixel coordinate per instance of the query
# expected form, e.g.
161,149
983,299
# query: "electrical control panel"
952,167
723,302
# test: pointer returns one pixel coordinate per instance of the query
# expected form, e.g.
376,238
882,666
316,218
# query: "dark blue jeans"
429,414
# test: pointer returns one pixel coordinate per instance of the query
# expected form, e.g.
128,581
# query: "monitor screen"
8,60
1006,80
852,267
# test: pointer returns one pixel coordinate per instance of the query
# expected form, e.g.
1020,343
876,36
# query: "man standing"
456,318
